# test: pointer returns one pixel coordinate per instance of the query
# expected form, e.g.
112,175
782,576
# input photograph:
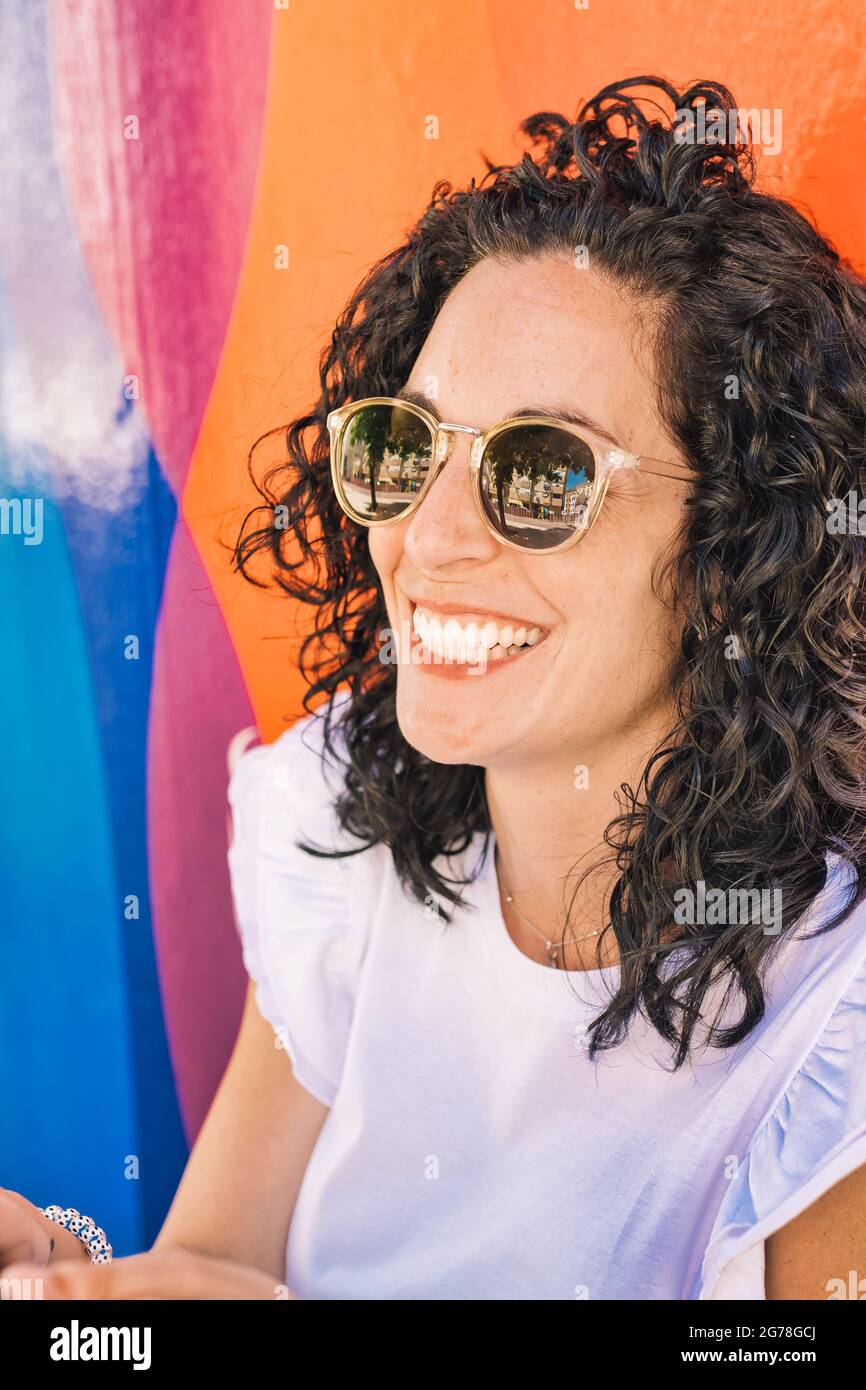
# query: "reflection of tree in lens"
369,429
533,455
383,432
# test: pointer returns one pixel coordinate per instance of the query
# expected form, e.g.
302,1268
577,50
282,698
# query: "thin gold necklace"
553,948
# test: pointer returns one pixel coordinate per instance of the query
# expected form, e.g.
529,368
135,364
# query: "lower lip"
463,670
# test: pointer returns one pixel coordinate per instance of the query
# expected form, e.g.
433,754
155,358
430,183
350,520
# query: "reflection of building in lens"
578,490
547,499
390,474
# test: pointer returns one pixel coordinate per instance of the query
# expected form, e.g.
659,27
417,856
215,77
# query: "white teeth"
453,639
450,640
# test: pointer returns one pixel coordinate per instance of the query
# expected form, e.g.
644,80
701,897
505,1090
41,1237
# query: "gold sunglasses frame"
443,432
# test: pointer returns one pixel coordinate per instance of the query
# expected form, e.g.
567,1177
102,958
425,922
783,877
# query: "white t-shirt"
472,1151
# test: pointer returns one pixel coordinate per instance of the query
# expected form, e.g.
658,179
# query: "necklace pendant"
552,954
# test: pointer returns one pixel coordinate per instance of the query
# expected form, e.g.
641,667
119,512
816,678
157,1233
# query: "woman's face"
543,334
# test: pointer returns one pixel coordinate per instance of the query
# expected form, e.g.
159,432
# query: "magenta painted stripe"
162,217
198,704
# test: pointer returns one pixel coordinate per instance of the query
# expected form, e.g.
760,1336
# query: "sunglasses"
538,482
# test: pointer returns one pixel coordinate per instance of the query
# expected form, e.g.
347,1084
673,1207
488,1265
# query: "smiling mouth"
466,641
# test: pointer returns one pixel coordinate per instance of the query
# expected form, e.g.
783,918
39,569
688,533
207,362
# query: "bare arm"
238,1192
823,1243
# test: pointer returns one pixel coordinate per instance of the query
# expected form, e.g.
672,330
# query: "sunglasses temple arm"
673,471
616,459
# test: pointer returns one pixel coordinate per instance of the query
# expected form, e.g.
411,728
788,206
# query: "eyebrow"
560,412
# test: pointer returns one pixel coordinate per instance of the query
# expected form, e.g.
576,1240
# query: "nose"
446,532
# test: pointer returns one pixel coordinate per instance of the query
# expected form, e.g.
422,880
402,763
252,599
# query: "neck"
549,826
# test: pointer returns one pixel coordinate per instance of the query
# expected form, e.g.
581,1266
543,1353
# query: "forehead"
535,332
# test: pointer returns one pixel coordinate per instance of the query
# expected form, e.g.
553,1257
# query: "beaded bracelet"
92,1237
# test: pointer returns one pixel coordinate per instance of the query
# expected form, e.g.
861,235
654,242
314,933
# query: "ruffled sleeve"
814,1136
301,921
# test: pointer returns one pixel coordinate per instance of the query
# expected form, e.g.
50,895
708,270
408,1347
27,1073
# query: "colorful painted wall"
190,193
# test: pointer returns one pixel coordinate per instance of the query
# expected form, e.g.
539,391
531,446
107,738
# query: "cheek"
619,634
386,549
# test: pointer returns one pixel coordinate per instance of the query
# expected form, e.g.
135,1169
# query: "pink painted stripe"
163,217
198,704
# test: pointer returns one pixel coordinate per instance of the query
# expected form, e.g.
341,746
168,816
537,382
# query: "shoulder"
303,918
292,863
822,1135
285,793
802,1172
296,775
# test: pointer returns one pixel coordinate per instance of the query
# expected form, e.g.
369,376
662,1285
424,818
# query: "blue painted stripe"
120,562
66,1077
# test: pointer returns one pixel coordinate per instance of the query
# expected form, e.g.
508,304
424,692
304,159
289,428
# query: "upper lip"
479,609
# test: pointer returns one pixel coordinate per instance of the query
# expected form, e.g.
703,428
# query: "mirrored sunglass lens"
385,456
536,484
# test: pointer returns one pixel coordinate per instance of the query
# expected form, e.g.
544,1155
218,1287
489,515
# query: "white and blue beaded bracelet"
92,1237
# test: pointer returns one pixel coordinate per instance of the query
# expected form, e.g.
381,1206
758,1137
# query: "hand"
28,1236
160,1274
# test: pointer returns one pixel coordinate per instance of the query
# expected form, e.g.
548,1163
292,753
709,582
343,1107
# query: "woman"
571,973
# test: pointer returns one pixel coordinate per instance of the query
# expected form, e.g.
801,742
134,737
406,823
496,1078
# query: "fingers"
22,1281
25,1235
162,1274
15,1199
30,1247
67,1279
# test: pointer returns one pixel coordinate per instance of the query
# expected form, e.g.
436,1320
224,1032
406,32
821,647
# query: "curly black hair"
759,350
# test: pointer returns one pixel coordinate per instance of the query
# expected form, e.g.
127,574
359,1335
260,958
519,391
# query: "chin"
441,731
